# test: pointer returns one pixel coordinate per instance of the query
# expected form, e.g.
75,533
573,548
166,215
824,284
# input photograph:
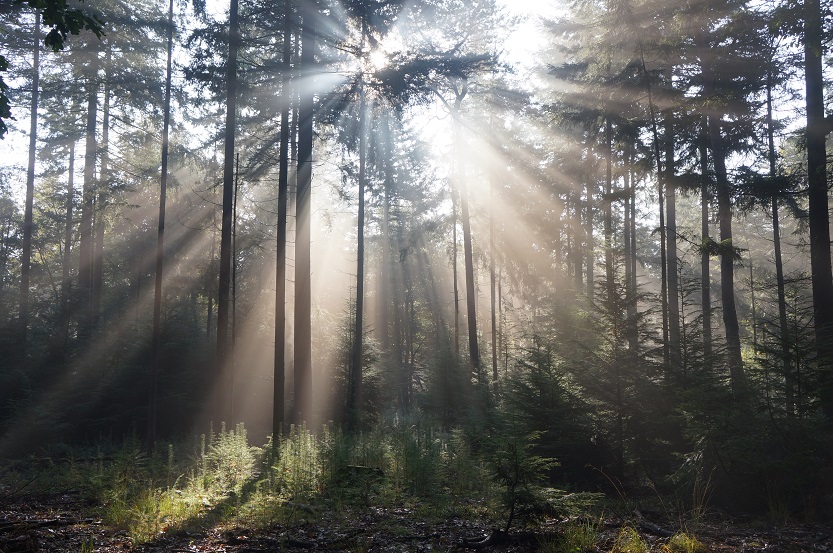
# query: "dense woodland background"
617,247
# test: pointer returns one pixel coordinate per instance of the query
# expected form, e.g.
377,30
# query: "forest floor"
69,522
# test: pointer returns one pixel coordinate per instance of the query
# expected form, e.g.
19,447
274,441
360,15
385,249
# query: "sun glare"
378,59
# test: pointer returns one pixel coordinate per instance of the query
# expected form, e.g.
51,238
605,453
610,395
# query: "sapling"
519,472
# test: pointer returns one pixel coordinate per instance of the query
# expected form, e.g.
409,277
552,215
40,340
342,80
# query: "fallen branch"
652,528
496,537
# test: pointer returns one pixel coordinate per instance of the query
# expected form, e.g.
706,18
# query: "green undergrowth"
220,479
328,478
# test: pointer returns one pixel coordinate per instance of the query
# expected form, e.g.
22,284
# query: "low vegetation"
392,480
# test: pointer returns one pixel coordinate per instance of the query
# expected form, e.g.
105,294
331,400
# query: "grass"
683,542
221,479
579,536
629,541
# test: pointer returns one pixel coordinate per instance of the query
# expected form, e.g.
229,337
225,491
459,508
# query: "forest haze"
585,244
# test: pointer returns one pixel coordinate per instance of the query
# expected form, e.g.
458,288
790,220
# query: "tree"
817,197
225,376
63,21
160,238
280,268
303,322
26,257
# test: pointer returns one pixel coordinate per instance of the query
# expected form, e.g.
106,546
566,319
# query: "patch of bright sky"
526,40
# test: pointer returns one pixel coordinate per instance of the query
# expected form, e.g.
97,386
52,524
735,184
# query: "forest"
412,275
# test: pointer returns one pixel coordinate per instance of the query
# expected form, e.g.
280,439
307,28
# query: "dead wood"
652,528
496,537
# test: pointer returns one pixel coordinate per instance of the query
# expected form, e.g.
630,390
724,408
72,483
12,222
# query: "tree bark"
468,256
102,186
160,239
705,262
28,224
610,283
279,391
85,245
630,268
224,382
674,339
789,386
354,387
454,276
727,261
589,253
817,195
303,299
492,282
67,259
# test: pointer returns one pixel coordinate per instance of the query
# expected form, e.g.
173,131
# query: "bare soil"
69,523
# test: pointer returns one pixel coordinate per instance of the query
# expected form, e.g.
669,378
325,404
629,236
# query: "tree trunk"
817,196
727,261
279,391
633,320
589,253
26,255
492,282
705,272
454,276
675,354
223,400
101,196
663,255
660,188
85,246
610,283
393,308
789,386
303,298
354,386
468,256
160,239
67,259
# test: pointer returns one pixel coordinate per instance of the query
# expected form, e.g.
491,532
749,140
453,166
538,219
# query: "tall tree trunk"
354,385
67,259
160,238
26,255
789,385
492,281
233,298
589,246
817,196
468,255
705,272
663,255
674,340
209,314
393,307
279,391
727,261
223,400
303,298
610,283
662,230
102,187
85,245
632,309
454,277
471,292
407,325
